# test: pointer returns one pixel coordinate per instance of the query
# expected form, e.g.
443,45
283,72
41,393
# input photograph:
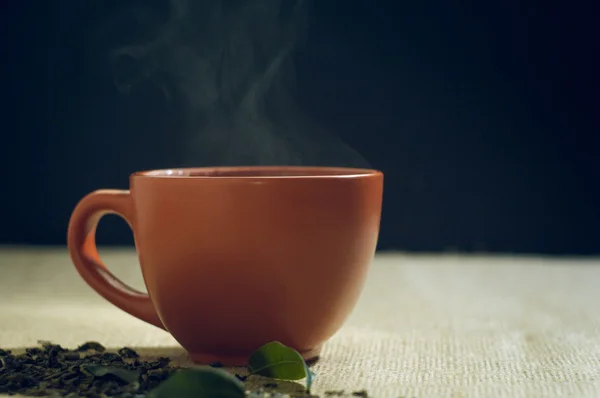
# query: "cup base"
238,360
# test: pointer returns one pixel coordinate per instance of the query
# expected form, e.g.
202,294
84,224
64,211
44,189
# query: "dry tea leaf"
278,361
127,375
128,353
91,346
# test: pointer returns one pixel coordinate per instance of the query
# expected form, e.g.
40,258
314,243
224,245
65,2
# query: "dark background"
483,117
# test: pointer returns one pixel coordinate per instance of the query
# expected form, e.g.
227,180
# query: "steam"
228,64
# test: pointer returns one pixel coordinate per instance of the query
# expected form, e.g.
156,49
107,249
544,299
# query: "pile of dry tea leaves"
88,371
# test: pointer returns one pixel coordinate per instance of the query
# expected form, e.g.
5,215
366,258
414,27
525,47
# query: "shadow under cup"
235,257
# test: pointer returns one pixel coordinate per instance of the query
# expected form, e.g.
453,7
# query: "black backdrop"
483,117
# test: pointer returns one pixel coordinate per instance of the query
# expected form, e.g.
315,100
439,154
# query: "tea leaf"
126,375
91,345
200,382
278,361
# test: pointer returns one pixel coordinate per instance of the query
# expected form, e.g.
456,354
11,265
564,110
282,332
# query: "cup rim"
262,172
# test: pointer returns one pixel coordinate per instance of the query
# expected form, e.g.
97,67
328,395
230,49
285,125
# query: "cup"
236,257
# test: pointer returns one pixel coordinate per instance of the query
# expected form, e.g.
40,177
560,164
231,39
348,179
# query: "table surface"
425,326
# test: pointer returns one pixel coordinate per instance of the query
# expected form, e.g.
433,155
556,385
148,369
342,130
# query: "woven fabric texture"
425,326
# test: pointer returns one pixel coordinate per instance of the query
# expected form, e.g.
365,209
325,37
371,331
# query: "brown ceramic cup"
235,257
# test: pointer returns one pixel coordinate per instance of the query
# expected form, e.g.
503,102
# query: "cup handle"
81,241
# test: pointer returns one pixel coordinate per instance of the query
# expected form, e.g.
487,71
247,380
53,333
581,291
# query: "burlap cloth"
426,326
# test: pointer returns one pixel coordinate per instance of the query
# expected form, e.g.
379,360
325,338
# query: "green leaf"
278,361
200,382
126,375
